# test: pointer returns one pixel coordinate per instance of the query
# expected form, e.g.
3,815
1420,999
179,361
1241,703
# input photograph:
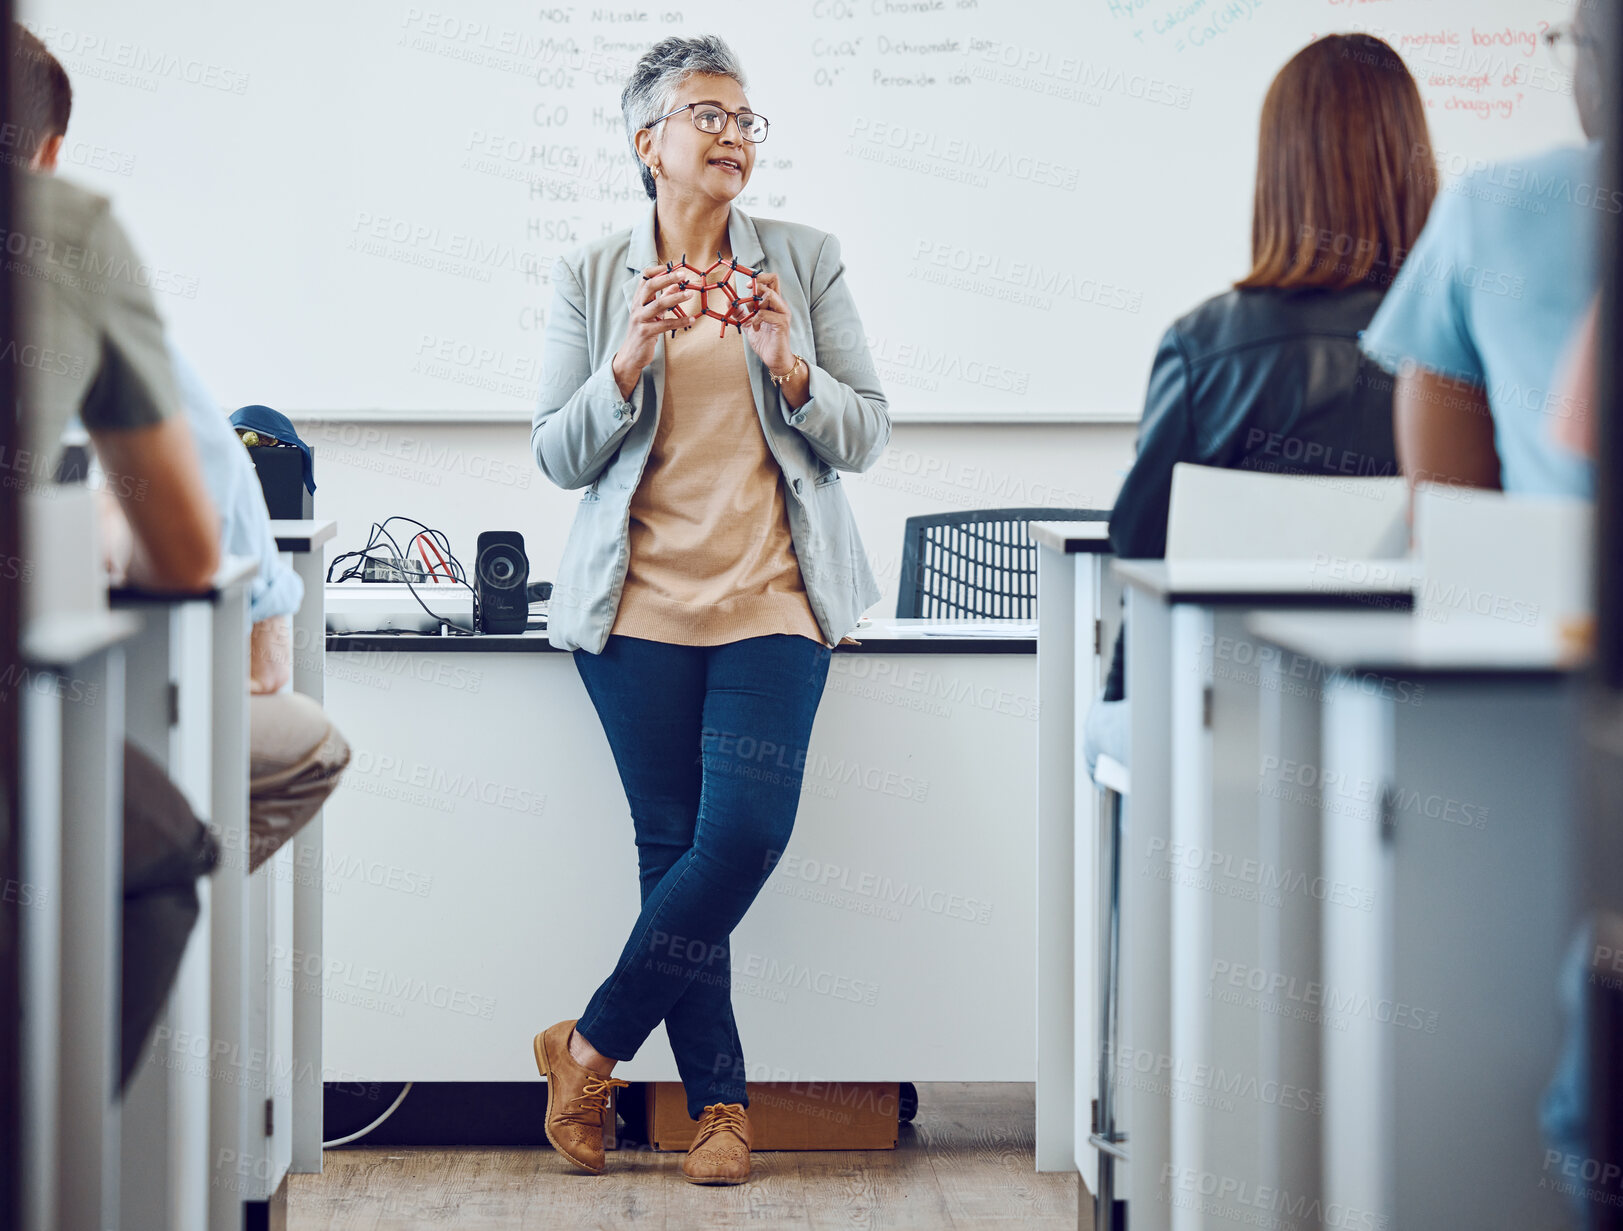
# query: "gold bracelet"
778,380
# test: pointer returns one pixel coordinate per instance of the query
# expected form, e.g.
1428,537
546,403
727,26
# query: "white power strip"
358,607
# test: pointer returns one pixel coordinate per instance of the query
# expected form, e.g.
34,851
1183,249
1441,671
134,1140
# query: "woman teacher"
712,566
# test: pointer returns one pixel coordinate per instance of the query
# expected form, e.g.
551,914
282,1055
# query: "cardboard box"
790,1115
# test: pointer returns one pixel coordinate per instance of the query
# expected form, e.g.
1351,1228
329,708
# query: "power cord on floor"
356,1136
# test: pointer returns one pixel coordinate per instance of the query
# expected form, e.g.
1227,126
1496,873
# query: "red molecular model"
740,310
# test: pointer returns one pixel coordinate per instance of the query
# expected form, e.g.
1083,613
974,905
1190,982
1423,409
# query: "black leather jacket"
1255,380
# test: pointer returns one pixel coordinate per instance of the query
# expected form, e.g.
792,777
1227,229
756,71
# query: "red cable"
418,541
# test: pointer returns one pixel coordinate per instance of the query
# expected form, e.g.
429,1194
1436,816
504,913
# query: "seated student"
1491,298
1268,376
1492,330
296,755
101,347
102,359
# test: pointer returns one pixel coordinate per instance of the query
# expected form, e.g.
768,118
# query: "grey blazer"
585,435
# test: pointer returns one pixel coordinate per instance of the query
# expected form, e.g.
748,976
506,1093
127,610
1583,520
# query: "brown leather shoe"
577,1098
720,1153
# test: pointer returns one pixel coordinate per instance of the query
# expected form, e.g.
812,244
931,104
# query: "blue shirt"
245,528
1494,292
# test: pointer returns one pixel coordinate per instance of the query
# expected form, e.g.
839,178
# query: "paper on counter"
997,630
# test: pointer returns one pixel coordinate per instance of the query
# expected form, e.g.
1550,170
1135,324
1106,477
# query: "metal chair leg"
1106,1138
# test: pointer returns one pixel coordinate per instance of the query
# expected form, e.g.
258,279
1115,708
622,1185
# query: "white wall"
464,478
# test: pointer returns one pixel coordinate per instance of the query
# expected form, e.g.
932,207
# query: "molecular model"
740,310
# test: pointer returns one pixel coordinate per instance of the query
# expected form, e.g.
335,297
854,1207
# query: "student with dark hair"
1268,376
41,101
296,754
103,340
105,363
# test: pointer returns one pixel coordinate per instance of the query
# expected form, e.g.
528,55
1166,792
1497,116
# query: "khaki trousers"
295,758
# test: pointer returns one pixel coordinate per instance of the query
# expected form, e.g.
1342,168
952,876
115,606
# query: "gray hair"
655,79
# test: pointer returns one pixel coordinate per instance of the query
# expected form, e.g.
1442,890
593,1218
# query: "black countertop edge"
1319,600
234,573
1474,674
1094,543
350,643
302,534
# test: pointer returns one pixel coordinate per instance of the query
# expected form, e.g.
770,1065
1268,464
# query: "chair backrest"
1219,514
1512,563
978,564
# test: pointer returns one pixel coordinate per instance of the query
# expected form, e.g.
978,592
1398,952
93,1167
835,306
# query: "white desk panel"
1074,613
1449,797
481,874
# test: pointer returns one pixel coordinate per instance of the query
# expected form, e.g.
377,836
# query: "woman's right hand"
661,291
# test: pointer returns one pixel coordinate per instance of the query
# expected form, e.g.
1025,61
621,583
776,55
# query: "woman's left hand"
768,333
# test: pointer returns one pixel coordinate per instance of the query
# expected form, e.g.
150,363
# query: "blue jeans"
710,741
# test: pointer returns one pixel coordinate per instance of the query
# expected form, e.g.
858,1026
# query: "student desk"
94,677
1193,685
72,725
303,540
188,689
1442,760
481,876
1072,613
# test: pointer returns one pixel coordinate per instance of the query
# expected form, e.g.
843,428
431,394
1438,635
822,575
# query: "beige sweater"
712,560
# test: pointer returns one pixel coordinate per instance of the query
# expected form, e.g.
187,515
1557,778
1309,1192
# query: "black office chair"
979,564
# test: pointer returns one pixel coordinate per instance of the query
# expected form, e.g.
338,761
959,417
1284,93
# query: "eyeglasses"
712,118
1563,42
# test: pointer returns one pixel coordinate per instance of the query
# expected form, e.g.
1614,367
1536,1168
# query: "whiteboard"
352,208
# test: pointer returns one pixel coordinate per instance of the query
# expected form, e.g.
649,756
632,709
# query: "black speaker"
501,573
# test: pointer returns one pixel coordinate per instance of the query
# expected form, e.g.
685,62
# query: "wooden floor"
965,1161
